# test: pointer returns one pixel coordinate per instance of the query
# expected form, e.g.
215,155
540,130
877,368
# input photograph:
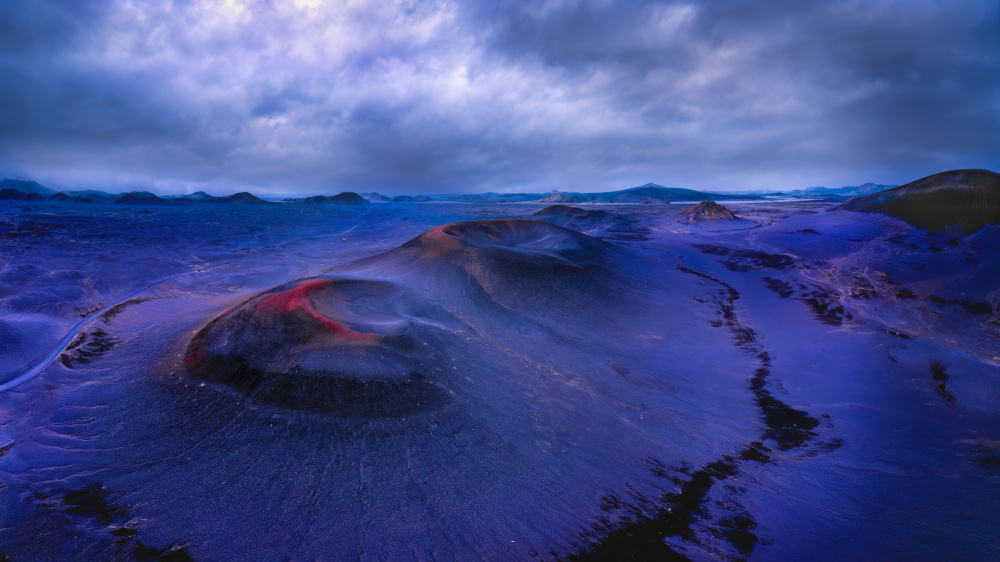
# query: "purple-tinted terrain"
772,379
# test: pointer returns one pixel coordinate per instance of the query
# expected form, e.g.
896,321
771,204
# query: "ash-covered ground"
468,381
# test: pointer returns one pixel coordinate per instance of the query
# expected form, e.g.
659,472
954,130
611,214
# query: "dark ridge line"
641,537
117,309
87,347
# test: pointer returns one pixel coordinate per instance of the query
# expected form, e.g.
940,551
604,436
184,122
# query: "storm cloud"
314,96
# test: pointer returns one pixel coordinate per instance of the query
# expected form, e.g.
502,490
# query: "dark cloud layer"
436,96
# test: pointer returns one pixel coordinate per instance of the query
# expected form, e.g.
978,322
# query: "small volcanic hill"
959,199
489,249
566,210
528,269
356,343
575,217
329,344
707,211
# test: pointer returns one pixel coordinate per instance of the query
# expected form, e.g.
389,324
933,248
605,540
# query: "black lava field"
769,380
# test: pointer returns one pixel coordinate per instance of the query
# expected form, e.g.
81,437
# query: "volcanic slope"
476,340
583,220
368,322
503,390
963,200
707,211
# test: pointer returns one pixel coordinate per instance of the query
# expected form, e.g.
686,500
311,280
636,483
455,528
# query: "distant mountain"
198,196
345,198
649,193
491,197
241,198
93,195
141,198
348,198
67,198
959,199
25,186
8,194
848,191
653,193
558,197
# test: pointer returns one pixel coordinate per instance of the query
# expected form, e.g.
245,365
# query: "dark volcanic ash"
963,200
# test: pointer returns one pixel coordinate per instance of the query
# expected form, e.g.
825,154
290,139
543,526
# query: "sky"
323,96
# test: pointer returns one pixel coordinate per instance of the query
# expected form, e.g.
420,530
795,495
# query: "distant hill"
8,194
649,193
375,197
198,196
348,198
653,193
25,186
67,198
241,198
491,197
558,197
141,198
314,200
93,195
959,199
345,198
848,191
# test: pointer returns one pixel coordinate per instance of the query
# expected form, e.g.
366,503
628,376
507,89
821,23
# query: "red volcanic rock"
322,344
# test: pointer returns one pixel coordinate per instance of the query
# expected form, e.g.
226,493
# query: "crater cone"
346,345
